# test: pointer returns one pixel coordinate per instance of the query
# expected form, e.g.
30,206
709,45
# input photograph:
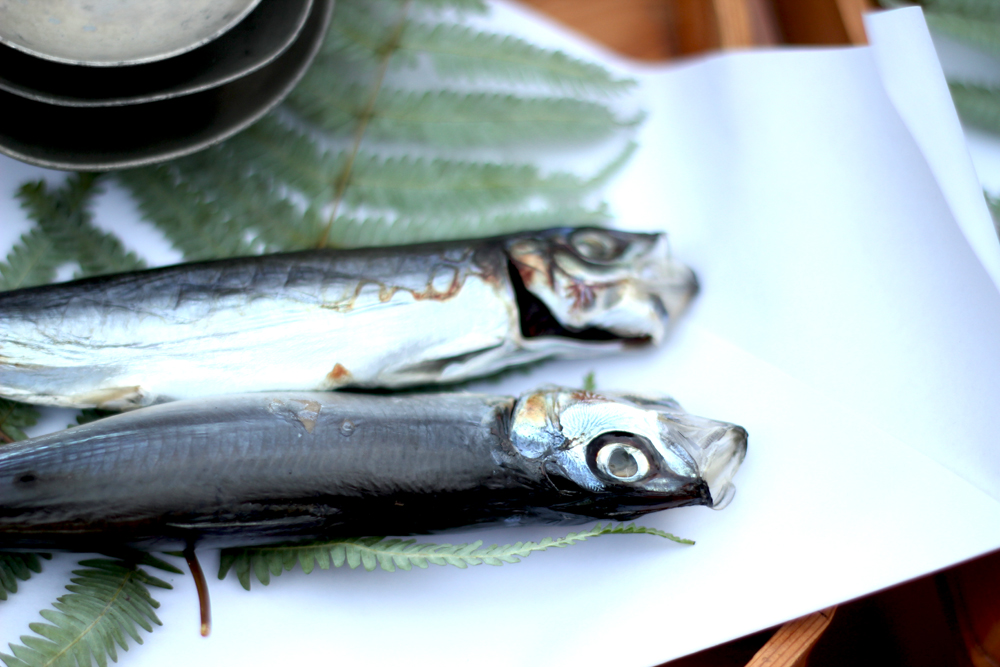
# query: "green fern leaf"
350,232
197,228
108,601
993,202
257,204
978,105
16,567
404,554
443,188
14,417
986,9
460,51
88,415
462,6
283,184
365,33
63,216
282,154
448,118
32,261
976,31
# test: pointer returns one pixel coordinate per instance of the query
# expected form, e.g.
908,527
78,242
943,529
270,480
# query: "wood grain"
665,29
791,644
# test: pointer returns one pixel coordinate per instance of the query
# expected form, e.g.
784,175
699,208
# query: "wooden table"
951,618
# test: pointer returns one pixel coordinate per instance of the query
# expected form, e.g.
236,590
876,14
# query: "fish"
389,318
250,469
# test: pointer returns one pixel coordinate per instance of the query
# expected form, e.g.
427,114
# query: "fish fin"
114,398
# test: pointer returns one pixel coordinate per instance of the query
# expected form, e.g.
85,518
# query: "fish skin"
257,468
321,320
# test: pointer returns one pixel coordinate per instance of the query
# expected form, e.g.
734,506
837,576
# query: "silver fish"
321,320
256,468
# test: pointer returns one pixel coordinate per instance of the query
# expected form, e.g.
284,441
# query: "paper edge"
943,145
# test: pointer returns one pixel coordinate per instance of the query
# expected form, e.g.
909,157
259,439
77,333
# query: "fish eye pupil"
622,464
595,246
622,461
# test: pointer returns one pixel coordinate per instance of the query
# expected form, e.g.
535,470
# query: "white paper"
844,321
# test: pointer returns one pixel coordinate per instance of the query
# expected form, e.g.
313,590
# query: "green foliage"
986,9
589,383
977,105
15,567
447,118
994,205
108,601
32,261
14,417
976,31
64,217
88,415
390,554
398,133
976,22
369,148
460,51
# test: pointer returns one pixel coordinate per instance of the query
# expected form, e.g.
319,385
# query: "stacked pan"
109,84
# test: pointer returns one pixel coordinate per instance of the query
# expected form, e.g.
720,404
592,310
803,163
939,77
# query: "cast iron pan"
119,137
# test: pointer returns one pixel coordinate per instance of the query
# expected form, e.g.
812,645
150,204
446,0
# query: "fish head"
598,284
633,454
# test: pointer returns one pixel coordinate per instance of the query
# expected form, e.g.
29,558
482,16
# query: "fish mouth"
719,455
536,320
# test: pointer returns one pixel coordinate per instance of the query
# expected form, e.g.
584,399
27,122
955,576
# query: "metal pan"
104,138
103,33
258,39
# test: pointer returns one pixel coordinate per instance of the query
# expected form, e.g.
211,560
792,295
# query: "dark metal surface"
259,39
105,138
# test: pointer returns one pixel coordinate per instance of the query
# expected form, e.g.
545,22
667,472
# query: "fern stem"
390,47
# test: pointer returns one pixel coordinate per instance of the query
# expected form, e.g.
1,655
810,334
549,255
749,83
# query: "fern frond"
389,554
88,415
448,118
449,188
194,226
462,52
63,216
981,32
353,232
255,203
978,105
462,6
360,32
32,261
16,567
986,9
283,155
364,32
993,203
107,600
14,417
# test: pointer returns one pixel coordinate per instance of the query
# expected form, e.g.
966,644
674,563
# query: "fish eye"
622,461
596,245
